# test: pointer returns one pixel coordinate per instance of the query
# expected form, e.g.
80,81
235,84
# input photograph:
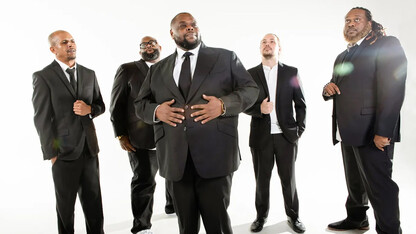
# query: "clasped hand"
205,112
81,108
266,107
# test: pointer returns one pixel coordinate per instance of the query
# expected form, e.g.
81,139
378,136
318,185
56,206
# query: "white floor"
27,203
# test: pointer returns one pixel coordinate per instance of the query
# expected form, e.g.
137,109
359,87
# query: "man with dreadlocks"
367,89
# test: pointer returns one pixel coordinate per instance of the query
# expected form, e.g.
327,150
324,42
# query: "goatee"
268,56
187,45
151,56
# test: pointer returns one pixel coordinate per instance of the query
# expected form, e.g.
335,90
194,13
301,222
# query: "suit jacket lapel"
80,79
262,78
167,72
360,49
58,70
357,52
141,64
281,76
205,63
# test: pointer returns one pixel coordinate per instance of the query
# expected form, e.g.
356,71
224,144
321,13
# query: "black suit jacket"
129,78
62,133
372,85
213,146
289,97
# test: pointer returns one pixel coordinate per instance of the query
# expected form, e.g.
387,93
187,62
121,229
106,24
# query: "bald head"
173,21
53,37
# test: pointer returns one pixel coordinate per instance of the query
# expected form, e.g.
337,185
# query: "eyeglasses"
143,45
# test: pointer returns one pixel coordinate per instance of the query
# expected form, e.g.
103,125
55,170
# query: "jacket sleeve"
391,75
97,105
44,117
118,106
255,109
145,104
300,104
334,74
245,90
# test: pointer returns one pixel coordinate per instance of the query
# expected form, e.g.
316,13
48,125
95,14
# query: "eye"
357,20
347,21
182,26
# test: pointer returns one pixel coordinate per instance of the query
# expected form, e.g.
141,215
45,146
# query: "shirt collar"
194,51
64,66
270,68
358,42
149,63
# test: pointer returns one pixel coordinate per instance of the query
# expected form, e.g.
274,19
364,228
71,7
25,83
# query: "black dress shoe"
296,225
169,209
258,224
348,224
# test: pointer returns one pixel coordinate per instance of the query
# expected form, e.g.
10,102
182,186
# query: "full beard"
187,44
361,34
151,56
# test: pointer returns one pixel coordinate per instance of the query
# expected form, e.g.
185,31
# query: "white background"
108,34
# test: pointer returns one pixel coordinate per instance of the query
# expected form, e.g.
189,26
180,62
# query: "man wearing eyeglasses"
135,136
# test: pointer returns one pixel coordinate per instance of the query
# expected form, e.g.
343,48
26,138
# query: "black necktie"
71,72
185,75
350,52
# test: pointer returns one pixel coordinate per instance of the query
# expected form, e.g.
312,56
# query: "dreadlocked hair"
377,30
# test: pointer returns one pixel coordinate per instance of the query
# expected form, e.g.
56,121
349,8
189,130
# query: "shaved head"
52,37
173,21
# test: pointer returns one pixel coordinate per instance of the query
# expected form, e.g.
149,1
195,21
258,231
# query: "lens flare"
343,69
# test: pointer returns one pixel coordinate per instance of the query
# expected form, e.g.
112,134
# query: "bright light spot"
343,69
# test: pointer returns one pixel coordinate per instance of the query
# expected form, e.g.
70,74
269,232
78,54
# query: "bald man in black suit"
66,99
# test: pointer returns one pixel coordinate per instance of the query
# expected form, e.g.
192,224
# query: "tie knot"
187,54
70,71
351,47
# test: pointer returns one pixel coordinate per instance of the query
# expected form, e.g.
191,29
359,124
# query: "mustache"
191,34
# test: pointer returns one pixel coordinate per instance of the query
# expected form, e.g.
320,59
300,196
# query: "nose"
190,28
351,24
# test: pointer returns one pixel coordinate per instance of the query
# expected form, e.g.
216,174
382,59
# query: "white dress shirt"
271,79
179,60
64,67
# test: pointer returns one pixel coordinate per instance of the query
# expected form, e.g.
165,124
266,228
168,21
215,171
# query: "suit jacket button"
186,106
184,129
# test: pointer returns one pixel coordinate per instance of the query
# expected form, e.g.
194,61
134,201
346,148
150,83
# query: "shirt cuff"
155,120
